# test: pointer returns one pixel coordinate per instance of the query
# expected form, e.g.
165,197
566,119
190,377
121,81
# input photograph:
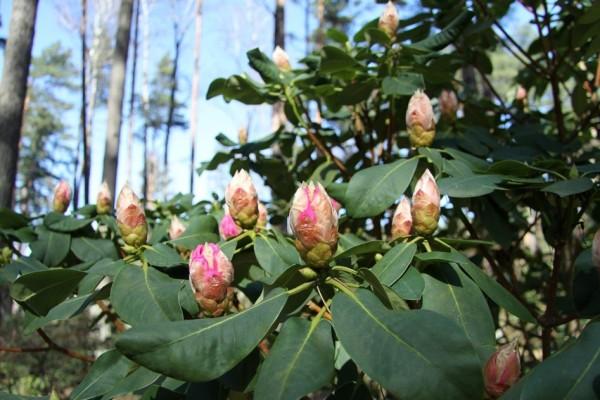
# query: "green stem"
335,283
344,269
320,314
427,246
440,241
301,288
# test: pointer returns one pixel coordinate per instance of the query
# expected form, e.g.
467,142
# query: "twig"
111,316
54,346
316,308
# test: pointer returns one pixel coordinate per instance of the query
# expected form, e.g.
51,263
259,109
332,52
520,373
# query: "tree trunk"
116,94
278,115
195,91
130,117
13,89
320,39
145,89
172,93
83,116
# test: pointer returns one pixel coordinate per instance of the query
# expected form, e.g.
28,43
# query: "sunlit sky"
230,28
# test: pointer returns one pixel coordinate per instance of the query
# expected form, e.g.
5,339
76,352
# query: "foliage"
409,318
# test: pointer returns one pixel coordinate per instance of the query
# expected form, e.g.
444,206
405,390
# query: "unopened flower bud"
388,22
62,197
502,370
131,218
5,256
263,216
448,104
402,220
281,59
228,228
104,199
242,135
425,205
211,274
336,205
419,120
176,228
314,222
242,200
521,94
596,250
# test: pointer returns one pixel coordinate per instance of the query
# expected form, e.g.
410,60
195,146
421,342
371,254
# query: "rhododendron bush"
415,241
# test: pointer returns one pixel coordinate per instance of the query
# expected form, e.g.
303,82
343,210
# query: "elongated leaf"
42,290
51,248
11,220
274,256
135,380
203,349
65,223
411,285
21,266
386,345
373,246
88,249
300,361
144,295
469,185
448,35
161,255
395,263
203,228
372,190
404,84
336,60
108,369
262,64
570,187
450,293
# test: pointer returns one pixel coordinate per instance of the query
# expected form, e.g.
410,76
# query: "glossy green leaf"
201,229
65,223
372,190
88,249
202,349
404,84
143,295
40,291
11,220
300,361
161,255
469,185
108,369
570,187
448,291
448,35
336,60
395,263
411,285
262,64
51,248
385,345
370,247
275,256
136,379
21,266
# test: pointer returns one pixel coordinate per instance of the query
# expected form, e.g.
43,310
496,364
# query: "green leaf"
572,373
373,246
109,368
403,84
586,286
469,185
570,187
275,256
372,190
51,248
449,292
21,266
337,60
202,349
410,286
300,361
135,380
65,223
414,354
262,64
201,229
161,255
395,263
448,35
143,295
42,290
11,220
88,249
337,36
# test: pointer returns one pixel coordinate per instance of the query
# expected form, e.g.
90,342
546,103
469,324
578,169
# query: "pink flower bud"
281,59
419,120
521,94
131,218
242,200
176,228
425,205
448,104
336,205
263,216
596,250
242,135
314,222
104,200
388,22
228,228
62,197
502,370
402,220
211,273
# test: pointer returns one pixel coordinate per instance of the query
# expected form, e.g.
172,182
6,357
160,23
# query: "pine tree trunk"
278,115
13,89
145,91
130,117
320,39
195,91
83,117
116,94
173,91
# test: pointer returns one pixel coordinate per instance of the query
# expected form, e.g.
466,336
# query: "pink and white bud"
263,216
502,370
336,205
314,222
402,219
242,200
388,22
131,219
448,104
420,123
104,200
242,135
62,197
596,250
176,228
425,205
228,228
281,59
521,94
211,274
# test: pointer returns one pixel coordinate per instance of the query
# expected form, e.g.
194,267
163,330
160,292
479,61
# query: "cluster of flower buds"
176,228
104,200
448,104
502,370
402,219
425,209
227,227
242,200
211,274
388,22
131,219
62,197
314,222
281,59
420,122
